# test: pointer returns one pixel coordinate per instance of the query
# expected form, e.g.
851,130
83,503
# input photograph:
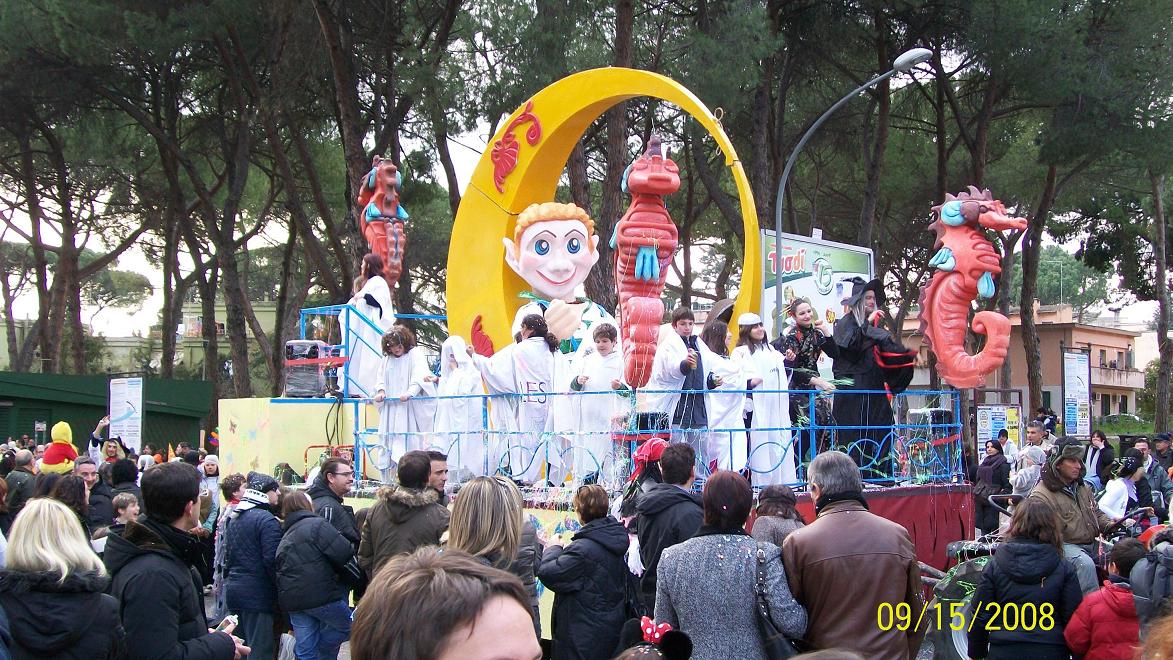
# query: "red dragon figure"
381,217
644,241
966,264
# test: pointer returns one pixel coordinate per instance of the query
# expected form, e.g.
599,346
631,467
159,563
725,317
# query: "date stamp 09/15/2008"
959,616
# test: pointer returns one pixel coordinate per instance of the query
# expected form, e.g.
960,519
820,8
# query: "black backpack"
1152,584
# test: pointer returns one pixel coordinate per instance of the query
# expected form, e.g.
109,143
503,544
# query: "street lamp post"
902,64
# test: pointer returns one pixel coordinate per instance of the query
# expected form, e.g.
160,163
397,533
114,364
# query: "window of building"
1103,358
1046,399
1120,360
1105,404
1123,403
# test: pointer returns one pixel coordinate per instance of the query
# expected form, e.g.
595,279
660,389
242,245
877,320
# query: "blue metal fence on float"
353,342
922,445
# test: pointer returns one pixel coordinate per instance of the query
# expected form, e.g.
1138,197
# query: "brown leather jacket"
842,568
1082,519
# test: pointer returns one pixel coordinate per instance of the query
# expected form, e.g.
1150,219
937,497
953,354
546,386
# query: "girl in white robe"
600,370
727,446
404,376
771,452
460,422
363,340
524,369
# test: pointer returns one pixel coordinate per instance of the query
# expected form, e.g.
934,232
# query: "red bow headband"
653,632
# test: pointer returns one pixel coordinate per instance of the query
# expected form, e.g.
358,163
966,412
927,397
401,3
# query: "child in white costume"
460,422
771,454
600,370
372,299
525,369
404,418
727,445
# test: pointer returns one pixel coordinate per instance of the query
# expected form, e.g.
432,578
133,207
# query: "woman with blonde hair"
53,588
487,523
486,520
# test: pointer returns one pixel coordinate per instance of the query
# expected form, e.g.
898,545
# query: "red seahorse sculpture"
381,218
644,241
965,264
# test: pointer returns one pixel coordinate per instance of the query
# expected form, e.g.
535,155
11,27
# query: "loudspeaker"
305,380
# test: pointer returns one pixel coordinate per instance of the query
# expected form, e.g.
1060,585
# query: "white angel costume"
771,453
364,341
460,422
524,369
599,408
565,409
727,445
404,425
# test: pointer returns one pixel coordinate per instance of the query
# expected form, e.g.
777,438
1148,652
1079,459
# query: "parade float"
514,251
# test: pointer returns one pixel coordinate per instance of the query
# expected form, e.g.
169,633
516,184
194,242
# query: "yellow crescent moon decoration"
479,282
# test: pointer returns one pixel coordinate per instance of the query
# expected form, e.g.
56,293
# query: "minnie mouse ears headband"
658,640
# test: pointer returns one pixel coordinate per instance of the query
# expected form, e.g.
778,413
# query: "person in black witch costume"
863,345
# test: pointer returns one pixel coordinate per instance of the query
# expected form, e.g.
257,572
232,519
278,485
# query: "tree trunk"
207,284
168,319
874,153
760,177
1031,249
440,135
47,337
1009,243
600,284
1159,231
236,312
580,185
336,34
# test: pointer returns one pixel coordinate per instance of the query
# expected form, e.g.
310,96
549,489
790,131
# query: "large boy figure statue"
554,248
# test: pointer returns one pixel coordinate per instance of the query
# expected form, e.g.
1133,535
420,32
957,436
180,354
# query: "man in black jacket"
21,481
669,513
153,576
332,483
101,498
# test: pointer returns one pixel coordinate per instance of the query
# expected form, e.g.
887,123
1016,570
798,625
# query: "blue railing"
347,315
922,445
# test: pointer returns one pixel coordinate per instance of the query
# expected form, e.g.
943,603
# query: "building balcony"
1126,378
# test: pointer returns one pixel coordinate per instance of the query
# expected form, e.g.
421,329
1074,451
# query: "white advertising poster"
992,418
1077,393
126,411
814,269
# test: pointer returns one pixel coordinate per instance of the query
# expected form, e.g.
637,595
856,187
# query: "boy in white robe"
600,370
680,365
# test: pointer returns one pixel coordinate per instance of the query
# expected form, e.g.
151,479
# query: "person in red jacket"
1105,626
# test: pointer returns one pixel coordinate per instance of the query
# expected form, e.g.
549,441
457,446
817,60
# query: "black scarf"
850,495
